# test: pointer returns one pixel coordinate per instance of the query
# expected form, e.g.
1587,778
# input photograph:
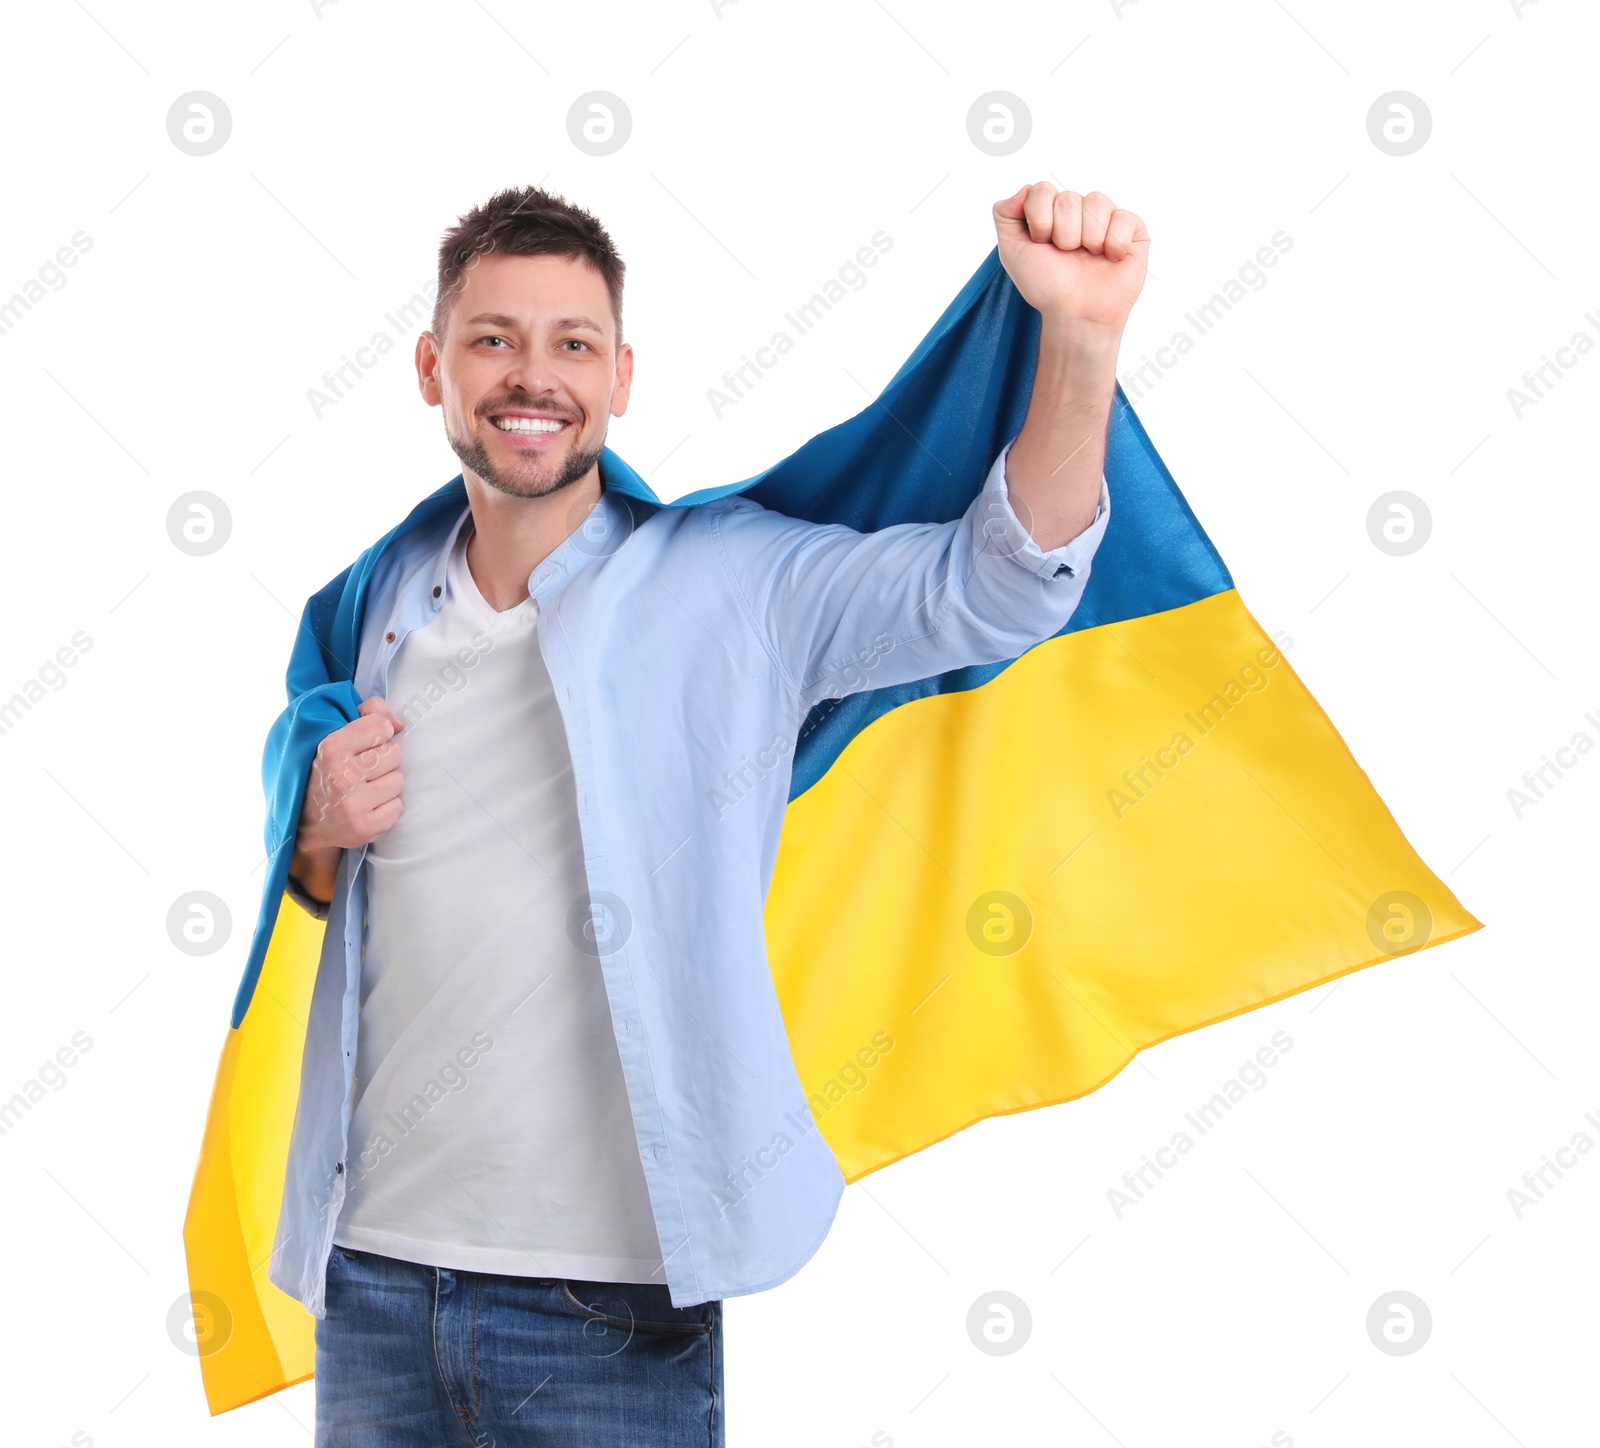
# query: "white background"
768,144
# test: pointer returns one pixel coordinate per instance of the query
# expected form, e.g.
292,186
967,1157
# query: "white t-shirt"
491,1128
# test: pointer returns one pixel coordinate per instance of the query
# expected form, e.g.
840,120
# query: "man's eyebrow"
561,324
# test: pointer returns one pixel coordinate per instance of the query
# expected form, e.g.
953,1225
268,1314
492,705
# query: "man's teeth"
528,424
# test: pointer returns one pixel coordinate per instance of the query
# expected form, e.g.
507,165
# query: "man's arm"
842,611
1080,262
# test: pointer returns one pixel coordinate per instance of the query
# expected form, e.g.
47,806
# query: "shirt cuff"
309,903
1006,534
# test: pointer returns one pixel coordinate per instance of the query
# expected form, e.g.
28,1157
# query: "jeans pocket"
340,1257
643,1307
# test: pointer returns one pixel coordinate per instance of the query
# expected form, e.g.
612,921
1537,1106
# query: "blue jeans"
410,1356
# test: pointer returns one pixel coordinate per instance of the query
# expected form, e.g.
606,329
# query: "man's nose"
531,373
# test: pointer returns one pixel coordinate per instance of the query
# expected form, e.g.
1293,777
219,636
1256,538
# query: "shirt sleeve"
309,903
841,611
1010,535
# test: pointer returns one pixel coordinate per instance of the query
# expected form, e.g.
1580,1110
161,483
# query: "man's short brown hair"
525,221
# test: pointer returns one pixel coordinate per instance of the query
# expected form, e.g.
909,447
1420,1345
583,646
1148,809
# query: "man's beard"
474,455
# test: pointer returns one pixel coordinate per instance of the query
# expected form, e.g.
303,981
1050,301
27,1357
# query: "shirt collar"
608,526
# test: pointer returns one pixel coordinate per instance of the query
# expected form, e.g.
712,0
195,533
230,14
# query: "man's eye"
576,341
491,339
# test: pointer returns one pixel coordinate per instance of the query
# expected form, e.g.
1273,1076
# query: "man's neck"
513,536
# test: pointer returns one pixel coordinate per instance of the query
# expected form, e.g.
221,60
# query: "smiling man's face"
528,372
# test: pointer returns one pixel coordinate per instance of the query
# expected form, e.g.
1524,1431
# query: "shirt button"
655,1153
389,637
436,590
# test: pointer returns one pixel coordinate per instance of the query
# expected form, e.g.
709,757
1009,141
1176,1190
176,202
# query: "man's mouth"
528,424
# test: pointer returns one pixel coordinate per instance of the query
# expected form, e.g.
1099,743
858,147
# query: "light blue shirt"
685,643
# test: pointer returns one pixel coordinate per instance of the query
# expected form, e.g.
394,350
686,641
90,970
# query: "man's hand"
1080,263
1078,260
352,797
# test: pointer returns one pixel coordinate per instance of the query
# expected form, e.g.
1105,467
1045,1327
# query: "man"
557,1032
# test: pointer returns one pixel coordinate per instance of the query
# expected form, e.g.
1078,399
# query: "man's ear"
624,382
428,359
